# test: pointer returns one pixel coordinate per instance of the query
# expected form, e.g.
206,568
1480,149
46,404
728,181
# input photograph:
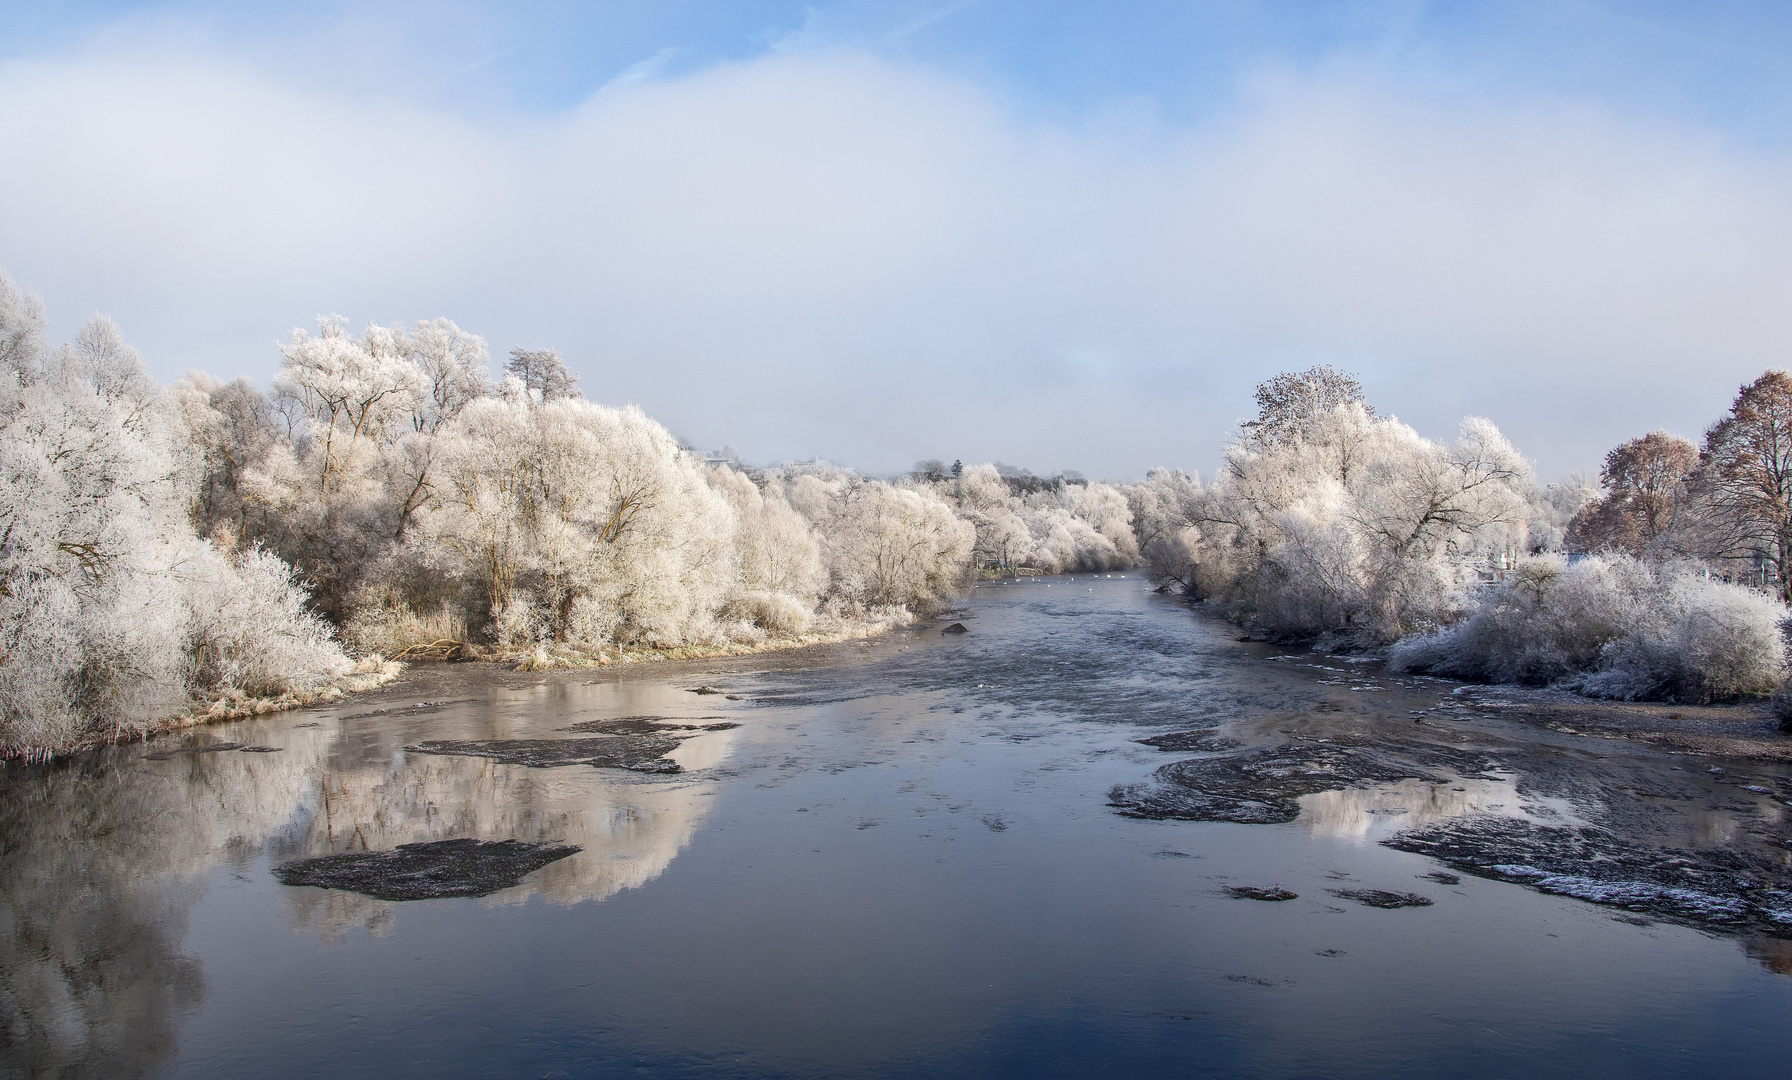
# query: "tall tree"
1746,475
1289,404
1645,498
543,371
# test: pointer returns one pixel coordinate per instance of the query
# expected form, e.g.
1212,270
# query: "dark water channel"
901,863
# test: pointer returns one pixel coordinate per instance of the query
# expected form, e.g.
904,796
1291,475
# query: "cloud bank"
828,253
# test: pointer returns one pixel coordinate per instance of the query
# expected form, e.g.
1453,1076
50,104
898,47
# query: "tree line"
166,546
1329,523
162,547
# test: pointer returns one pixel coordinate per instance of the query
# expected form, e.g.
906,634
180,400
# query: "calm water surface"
901,864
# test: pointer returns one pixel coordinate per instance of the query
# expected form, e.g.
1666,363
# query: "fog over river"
902,862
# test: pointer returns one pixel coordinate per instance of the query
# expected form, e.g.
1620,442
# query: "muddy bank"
649,725
1182,742
637,753
635,743
444,868
1381,898
1674,813
1727,887
367,675
1743,730
1274,895
210,748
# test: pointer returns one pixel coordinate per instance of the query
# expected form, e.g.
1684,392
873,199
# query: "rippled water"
902,863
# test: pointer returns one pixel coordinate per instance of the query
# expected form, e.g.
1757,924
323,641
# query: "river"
903,862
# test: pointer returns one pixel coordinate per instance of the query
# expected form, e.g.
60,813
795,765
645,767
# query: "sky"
1063,236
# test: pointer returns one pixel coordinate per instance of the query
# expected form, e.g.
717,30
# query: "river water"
901,863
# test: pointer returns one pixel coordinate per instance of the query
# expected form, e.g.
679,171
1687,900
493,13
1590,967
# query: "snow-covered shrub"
774,612
1611,627
249,631
1713,641
1549,620
385,622
1781,704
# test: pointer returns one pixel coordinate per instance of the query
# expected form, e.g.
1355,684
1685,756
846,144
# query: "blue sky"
1068,235
1717,63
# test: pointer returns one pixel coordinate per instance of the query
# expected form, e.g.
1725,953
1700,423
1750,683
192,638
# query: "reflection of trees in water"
1774,954
1407,804
103,860
630,829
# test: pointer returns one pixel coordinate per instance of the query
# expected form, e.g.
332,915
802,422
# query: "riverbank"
828,631
1746,730
376,673
1671,813
370,673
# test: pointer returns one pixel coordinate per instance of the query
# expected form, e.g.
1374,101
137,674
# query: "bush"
1611,627
1714,642
776,613
384,623
250,634
1781,703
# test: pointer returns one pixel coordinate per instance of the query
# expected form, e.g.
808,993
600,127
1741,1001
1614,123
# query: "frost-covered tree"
112,611
780,575
586,523
337,491
898,545
451,364
1057,524
1553,508
356,393
1354,523
544,372
979,496
1292,403
89,617
21,328
885,544
1165,508
245,463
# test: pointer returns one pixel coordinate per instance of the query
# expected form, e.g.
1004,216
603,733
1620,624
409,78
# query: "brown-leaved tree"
1746,478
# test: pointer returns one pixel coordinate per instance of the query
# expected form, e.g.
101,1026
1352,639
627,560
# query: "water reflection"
102,862
105,857
1372,814
629,829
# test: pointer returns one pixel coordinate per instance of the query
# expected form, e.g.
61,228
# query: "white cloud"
650,68
828,253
